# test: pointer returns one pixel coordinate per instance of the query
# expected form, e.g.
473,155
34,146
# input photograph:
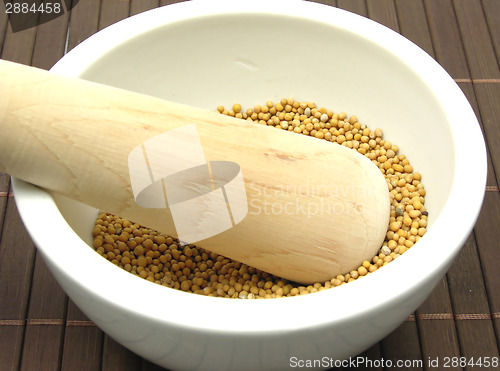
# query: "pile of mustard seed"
161,259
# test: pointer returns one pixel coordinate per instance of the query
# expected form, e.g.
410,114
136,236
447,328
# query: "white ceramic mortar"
207,53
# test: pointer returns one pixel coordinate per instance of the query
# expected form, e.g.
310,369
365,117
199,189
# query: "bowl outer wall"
416,271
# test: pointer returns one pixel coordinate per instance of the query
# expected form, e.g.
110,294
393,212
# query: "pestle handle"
295,206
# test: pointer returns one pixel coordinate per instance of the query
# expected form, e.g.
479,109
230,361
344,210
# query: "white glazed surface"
249,52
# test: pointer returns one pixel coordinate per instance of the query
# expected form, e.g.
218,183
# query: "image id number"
470,362
25,8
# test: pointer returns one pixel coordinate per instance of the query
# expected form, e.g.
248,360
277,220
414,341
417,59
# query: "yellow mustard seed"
160,259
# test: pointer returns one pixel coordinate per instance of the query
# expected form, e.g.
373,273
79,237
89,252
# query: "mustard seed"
362,271
160,259
139,250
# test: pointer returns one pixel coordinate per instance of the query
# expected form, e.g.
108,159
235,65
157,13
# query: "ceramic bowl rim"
38,210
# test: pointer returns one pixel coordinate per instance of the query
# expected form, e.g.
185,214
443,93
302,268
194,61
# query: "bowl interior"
252,58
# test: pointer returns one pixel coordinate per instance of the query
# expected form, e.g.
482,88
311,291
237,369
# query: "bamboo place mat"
41,329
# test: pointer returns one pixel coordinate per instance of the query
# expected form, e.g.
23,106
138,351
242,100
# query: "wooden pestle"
312,210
